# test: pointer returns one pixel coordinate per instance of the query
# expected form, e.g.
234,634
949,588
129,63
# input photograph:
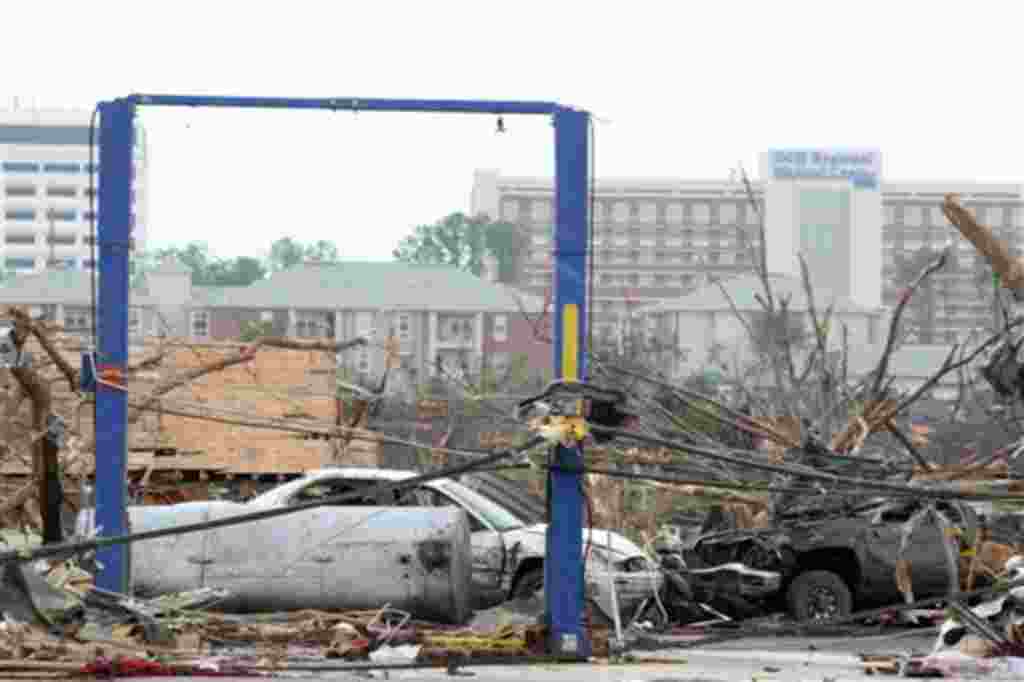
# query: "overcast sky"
682,89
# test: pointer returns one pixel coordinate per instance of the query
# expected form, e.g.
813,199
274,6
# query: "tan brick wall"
277,383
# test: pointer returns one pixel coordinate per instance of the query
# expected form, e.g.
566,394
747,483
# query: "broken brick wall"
296,385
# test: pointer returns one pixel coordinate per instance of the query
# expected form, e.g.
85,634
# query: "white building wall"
866,221
853,267
782,229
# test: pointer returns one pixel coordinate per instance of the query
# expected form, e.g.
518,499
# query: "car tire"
529,583
818,595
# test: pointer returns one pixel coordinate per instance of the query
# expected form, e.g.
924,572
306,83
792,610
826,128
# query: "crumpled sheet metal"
28,597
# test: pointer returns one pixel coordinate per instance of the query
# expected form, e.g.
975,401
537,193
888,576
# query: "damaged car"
506,553
833,558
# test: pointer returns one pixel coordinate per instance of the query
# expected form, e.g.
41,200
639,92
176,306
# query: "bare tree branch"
894,324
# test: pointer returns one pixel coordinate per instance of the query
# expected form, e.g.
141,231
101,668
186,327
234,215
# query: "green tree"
323,251
206,269
239,272
462,242
507,243
286,252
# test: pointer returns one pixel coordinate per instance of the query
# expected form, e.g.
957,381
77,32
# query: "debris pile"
48,626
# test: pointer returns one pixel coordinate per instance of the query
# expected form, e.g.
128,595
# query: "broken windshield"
498,517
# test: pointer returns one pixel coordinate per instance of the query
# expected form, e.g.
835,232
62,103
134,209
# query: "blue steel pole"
564,579
117,133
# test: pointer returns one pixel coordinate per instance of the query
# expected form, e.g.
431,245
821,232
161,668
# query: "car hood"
618,546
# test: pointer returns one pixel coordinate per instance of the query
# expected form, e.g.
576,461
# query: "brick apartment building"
444,320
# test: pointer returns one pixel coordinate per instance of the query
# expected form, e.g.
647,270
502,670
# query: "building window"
63,214
61,239
88,215
661,280
660,256
20,263
688,257
91,167
633,279
20,191
822,215
648,212
510,210
634,256
61,168
687,281
267,316
200,324
88,263
77,320
674,213
312,325
501,363
61,191
455,329
20,167
500,330
727,213
20,239
363,361
20,214
701,213
404,327
364,324
620,213
541,211
714,257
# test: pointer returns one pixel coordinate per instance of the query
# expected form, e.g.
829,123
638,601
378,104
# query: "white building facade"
45,184
658,240
827,205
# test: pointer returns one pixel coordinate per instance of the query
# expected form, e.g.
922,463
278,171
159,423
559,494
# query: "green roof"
373,285
742,290
69,287
209,296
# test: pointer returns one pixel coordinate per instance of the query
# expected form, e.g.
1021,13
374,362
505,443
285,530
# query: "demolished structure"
814,463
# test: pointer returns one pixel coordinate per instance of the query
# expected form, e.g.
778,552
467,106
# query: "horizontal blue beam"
441,106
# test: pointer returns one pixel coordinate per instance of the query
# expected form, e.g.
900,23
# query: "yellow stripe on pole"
570,341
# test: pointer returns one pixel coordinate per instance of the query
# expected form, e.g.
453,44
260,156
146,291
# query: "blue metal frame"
117,144
564,579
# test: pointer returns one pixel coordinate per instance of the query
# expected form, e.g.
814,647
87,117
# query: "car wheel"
819,595
529,584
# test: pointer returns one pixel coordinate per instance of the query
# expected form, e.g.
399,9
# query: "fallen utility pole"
69,549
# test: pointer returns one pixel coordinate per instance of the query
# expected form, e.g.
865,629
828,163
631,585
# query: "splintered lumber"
1009,268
